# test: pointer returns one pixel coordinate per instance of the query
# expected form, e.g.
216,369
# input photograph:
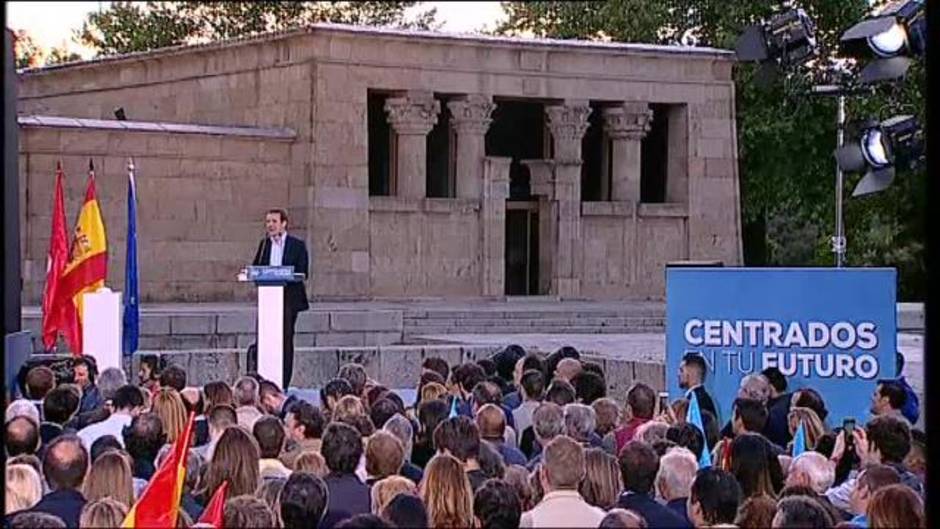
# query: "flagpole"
131,320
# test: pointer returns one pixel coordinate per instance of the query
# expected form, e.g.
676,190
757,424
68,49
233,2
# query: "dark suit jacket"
295,254
656,515
777,428
348,497
705,402
66,504
678,506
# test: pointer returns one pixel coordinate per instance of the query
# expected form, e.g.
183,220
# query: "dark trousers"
290,320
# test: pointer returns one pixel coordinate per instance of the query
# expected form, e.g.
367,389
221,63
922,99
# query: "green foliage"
26,52
785,136
140,26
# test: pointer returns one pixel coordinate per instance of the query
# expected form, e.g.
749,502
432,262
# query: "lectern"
271,281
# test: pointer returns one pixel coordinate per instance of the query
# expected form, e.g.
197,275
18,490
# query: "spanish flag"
159,503
215,510
87,266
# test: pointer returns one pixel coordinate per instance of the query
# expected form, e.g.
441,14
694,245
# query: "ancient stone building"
414,164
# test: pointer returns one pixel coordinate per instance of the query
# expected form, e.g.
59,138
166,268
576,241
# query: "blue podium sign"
833,330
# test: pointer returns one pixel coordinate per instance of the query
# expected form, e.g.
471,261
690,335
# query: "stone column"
567,123
493,221
470,118
412,116
626,126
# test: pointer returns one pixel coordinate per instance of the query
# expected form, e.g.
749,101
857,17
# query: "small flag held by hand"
694,417
799,440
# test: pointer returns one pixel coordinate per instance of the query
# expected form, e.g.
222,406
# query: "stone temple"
417,166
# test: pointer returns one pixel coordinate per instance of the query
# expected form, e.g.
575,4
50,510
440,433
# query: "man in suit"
64,466
281,249
692,372
639,465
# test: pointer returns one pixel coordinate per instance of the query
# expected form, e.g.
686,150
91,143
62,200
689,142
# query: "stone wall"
200,198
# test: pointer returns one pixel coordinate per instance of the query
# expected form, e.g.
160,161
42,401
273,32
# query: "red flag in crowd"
215,510
52,314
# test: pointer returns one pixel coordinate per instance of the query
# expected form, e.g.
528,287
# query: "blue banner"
833,330
131,328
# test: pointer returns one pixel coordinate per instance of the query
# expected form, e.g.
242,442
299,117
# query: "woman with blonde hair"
812,425
216,394
311,462
386,489
235,459
347,407
168,405
446,492
24,488
432,391
602,482
895,506
103,513
110,477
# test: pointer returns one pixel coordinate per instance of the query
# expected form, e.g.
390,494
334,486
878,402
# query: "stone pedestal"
626,126
412,117
493,214
470,118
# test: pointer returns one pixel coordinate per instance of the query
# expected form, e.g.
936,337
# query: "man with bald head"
567,369
21,436
64,466
491,420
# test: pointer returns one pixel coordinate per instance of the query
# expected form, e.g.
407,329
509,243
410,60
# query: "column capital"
568,121
413,112
627,121
471,113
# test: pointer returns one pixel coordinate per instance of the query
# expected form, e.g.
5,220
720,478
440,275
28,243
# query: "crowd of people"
514,440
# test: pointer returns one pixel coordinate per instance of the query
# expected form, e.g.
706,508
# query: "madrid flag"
52,313
87,266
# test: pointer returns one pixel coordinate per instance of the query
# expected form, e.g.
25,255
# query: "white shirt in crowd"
113,425
562,508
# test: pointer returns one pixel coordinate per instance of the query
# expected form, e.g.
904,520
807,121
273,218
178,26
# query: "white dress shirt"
562,508
113,425
277,249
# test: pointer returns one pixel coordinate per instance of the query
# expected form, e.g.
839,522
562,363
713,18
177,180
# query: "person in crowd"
148,374
64,467
103,445
800,512
433,391
460,437
102,513
677,469
384,457
687,436
811,469
589,386
580,422
810,398
755,467
235,459
173,377
196,404
447,492
507,365
518,478
713,499
757,512
529,362
348,496
653,432
869,481
911,409
218,418
269,433
313,463
364,521
127,403
406,510
692,373
23,488
22,408
384,490
246,395
355,374
754,387
496,506
916,459
270,492
895,506
304,425
552,360
430,414
607,412
218,393
303,501
778,407
639,466
39,381
531,391
463,379
32,519
399,426
491,463
249,512
195,464
437,365
110,477
489,393
58,408
85,371
168,405
602,483
812,425
21,436
273,400
639,409
548,422
383,410
567,369
562,470
334,390
889,399
491,422
622,519
143,439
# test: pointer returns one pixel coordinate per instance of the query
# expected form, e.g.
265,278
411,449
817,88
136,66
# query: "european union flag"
799,440
694,417
131,291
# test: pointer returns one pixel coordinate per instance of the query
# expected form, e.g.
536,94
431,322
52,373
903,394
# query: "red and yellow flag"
87,266
52,314
215,510
159,503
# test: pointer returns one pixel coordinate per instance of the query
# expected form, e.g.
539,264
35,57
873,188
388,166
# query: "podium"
271,281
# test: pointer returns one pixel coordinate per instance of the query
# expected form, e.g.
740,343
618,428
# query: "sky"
50,30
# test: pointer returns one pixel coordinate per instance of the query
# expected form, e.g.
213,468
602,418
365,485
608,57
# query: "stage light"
889,39
881,149
788,39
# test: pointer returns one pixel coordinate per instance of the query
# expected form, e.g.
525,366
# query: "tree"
28,54
785,137
140,26
61,56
